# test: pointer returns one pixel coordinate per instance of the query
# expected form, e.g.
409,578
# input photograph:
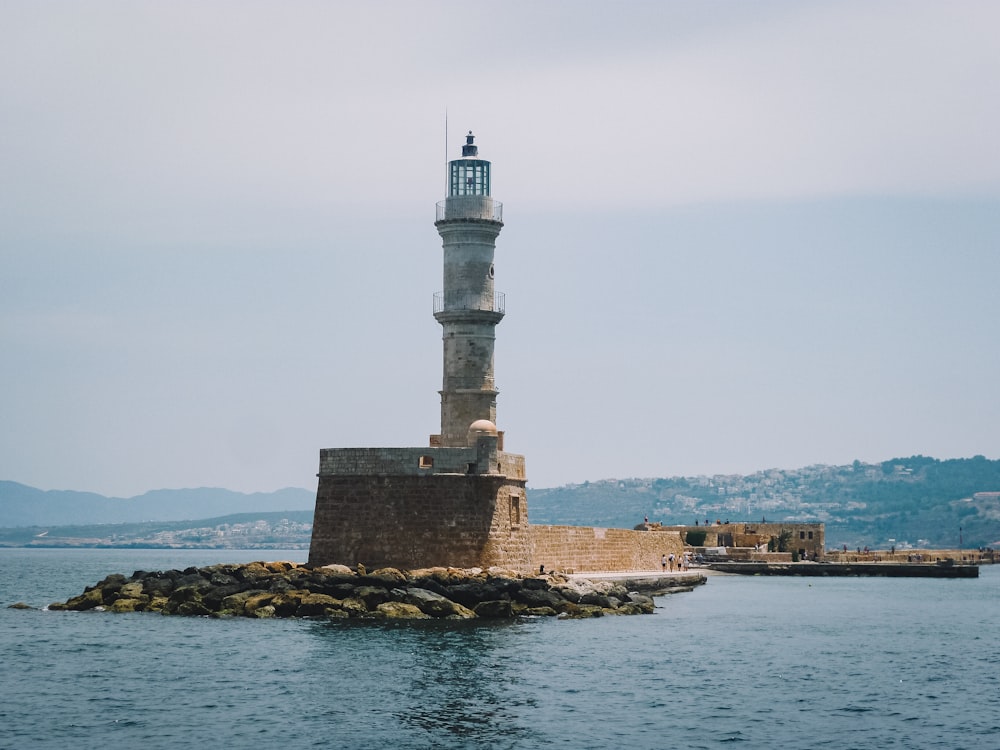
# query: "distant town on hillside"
915,501
903,502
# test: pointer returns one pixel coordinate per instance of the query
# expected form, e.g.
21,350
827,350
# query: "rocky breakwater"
285,589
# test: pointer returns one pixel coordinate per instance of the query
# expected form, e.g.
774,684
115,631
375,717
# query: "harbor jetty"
287,589
941,569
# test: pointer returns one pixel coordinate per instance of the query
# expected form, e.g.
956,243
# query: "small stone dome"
482,427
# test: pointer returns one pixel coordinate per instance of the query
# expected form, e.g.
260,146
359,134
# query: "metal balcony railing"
477,207
454,301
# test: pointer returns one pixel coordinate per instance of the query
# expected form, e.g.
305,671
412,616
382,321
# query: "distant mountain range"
918,501
21,505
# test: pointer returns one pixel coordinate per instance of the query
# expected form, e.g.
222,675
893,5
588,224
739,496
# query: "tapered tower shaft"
469,308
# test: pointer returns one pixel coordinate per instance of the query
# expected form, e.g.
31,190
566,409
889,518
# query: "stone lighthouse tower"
469,308
461,501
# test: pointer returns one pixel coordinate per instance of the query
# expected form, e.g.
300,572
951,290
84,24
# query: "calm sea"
753,662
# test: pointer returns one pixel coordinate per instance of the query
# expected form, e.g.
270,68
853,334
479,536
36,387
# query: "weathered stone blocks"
290,590
400,521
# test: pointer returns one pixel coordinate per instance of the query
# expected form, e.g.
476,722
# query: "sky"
738,236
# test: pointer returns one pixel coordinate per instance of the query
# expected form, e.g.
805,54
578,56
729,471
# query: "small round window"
491,270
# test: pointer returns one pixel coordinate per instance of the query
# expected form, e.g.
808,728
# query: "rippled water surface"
807,663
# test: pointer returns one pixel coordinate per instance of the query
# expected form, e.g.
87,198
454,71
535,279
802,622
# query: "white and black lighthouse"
469,307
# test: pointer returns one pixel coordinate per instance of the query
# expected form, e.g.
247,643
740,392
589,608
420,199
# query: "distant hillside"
21,505
284,530
917,500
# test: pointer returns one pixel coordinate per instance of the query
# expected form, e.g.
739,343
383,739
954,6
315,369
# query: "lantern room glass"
470,177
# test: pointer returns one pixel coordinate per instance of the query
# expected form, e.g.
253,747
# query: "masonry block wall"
417,522
456,507
421,507
585,548
806,538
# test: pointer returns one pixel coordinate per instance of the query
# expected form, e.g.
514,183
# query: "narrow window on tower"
515,509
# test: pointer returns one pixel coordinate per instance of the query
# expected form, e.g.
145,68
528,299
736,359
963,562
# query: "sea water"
742,661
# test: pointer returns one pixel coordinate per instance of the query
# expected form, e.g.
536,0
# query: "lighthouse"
462,500
469,308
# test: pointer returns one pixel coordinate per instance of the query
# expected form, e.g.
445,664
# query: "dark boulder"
315,605
600,600
157,584
254,572
333,584
435,605
192,608
213,598
218,578
540,598
193,580
643,602
477,591
372,596
497,609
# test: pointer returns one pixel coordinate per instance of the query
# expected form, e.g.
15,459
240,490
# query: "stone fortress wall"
421,507
585,548
806,539
464,522
456,507
412,522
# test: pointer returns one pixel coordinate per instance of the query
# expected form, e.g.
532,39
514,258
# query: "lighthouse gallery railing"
468,301
476,207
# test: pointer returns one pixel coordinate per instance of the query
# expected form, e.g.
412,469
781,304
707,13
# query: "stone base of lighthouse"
458,507
462,507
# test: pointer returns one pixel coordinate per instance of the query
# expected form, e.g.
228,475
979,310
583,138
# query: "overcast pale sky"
738,235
